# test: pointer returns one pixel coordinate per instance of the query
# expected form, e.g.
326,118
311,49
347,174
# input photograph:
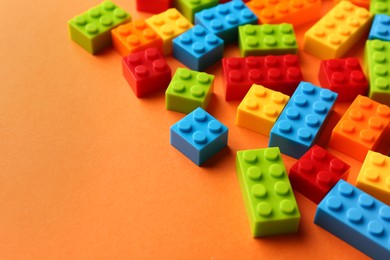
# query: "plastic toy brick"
286,11
188,90
316,172
224,19
92,29
260,108
168,25
197,48
134,37
269,200
377,65
380,28
146,72
199,136
361,3
344,76
155,6
336,32
189,7
279,73
374,176
301,122
267,39
380,6
357,218
361,128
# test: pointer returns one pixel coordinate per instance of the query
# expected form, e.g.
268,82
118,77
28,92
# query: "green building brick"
92,29
188,8
267,193
380,7
188,90
377,66
267,39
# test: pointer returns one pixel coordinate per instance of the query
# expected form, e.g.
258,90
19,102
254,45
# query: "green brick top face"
267,36
380,6
378,64
99,19
267,184
190,84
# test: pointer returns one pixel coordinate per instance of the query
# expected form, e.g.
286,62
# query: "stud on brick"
199,136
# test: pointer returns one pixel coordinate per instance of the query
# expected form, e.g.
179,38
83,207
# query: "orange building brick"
361,128
168,25
260,108
336,32
134,37
296,12
374,176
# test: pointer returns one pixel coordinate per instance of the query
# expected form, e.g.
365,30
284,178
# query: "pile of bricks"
275,100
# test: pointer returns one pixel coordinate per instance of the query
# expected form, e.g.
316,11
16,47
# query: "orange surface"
86,169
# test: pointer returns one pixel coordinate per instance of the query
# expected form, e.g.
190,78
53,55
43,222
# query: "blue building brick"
300,123
224,19
380,28
199,136
197,48
357,218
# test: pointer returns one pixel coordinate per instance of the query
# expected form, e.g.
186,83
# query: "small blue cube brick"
357,218
380,28
199,136
224,19
197,48
302,120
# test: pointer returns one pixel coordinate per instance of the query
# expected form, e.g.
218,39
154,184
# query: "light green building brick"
377,65
188,8
380,6
267,39
188,90
267,193
92,29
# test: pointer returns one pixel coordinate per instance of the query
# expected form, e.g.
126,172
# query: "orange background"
86,168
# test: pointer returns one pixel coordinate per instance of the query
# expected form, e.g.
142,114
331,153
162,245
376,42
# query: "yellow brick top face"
375,171
169,24
263,102
339,24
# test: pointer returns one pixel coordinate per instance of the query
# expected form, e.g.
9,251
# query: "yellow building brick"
168,25
336,32
260,108
374,176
